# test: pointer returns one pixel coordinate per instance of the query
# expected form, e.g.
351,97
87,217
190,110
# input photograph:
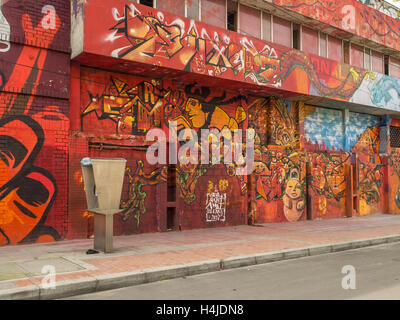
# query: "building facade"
318,83
34,111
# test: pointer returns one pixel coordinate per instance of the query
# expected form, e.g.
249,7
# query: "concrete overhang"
131,38
292,13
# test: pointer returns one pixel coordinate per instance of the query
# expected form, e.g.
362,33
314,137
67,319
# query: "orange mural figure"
293,199
204,114
327,179
319,184
135,206
26,192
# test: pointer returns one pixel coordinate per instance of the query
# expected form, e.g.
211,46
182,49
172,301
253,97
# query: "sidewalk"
158,256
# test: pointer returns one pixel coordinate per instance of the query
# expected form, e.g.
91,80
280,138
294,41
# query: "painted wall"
335,140
117,110
276,191
382,6
300,158
349,16
34,62
394,174
137,33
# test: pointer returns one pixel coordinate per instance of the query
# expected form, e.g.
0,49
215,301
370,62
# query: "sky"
396,3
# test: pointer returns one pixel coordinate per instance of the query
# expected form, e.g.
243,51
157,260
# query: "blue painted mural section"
380,91
386,91
325,127
357,124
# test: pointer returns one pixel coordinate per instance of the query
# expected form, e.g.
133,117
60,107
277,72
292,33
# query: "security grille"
394,137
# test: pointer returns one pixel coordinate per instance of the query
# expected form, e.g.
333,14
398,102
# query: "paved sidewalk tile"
21,266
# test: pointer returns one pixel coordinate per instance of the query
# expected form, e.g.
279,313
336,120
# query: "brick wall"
34,120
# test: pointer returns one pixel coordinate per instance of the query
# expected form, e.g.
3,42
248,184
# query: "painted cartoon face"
196,114
293,189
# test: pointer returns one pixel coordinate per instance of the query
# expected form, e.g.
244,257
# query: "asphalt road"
377,276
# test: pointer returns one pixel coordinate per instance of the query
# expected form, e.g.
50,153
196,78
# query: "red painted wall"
349,16
201,52
34,122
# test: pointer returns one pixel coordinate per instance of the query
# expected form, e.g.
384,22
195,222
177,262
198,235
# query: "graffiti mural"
151,37
133,109
196,51
136,206
202,77
215,203
284,124
327,183
323,129
382,91
350,16
279,170
112,110
395,182
279,178
188,176
363,133
383,7
27,190
207,113
370,183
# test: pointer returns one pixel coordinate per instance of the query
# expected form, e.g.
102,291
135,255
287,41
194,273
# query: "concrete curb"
70,288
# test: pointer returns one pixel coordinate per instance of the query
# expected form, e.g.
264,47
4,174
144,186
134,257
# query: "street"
377,271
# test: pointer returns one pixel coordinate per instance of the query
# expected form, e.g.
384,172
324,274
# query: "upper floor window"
176,7
377,63
214,12
334,48
309,40
149,3
394,67
323,45
367,59
192,9
282,31
356,55
296,32
266,26
232,16
249,21
346,52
